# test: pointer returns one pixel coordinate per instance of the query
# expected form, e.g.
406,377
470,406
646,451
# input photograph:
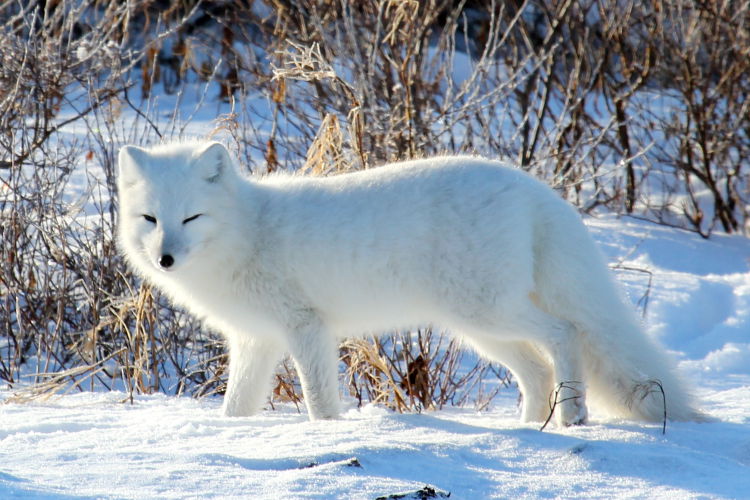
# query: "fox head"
170,202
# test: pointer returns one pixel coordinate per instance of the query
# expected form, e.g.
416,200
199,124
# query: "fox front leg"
314,352
251,365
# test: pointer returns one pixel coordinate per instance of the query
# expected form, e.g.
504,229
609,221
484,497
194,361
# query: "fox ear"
130,164
213,162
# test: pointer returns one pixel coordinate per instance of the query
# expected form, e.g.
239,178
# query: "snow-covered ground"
697,301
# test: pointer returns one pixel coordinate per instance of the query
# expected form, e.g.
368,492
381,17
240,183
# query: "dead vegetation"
629,107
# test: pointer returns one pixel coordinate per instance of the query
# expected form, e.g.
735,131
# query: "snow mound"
696,298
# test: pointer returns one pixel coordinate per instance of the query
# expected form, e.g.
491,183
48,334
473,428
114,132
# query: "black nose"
166,261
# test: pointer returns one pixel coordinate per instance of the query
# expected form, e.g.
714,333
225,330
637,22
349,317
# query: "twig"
554,398
652,386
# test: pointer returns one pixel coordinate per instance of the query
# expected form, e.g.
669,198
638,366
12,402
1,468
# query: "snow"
700,301
91,445
694,295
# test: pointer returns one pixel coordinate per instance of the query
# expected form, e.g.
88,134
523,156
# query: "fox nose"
166,261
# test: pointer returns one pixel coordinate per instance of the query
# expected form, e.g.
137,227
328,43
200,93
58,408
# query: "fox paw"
570,404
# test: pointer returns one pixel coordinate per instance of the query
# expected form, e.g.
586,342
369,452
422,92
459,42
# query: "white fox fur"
293,263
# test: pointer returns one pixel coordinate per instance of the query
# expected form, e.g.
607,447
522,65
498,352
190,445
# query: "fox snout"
166,261
166,251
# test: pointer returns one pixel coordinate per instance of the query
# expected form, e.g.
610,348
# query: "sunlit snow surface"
94,446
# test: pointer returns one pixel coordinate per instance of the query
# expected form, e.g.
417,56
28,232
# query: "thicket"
624,106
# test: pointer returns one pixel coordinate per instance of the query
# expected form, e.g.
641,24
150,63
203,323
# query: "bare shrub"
419,371
703,142
632,107
71,315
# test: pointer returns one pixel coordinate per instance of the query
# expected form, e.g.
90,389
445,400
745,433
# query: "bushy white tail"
625,370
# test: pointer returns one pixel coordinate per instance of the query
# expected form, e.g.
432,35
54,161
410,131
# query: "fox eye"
150,218
191,218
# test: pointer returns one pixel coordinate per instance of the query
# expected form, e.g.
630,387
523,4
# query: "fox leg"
315,357
526,332
251,364
529,366
561,341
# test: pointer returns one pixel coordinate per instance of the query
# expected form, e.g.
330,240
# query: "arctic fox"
291,264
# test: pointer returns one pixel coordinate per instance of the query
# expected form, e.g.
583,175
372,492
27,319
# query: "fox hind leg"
528,337
531,369
560,339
